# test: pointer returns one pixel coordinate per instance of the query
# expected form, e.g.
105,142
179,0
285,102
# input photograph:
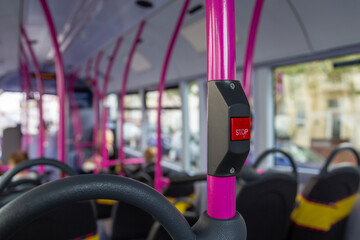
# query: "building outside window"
317,107
194,124
133,121
171,122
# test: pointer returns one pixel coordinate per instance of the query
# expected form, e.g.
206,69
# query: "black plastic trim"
42,199
226,100
6,178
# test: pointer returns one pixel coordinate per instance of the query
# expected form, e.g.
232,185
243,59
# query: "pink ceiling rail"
25,75
110,65
75,116
99,97
96,99
250,49
23,145
221,65
60,80
39,83
104,152
159,181
123,92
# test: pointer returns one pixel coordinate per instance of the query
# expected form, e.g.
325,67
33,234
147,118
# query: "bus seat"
352,227
266,200
130,222
11,142
72,221
158,232
327,199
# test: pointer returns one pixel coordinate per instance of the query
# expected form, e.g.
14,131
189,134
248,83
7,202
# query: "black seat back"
328,188
266,200
130,222
76,220
158,232
73,221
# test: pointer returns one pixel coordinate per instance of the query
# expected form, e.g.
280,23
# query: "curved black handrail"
6,178
276,150
46,197
324,169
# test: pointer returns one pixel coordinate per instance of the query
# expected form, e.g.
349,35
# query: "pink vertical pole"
23,112
250,49
60,80
110,65
39,84
221,65
123,92
27,94
90,79
159,182
104,152
96,108
75,116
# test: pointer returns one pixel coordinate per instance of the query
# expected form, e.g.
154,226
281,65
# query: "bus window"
316,108
171,123
112,102
194,125
133,120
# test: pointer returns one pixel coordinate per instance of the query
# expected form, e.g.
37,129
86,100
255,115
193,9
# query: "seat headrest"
249,174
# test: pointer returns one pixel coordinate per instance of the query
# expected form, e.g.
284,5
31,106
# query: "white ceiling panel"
9,36
288,29
330,23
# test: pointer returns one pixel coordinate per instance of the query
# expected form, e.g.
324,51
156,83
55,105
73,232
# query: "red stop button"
240,129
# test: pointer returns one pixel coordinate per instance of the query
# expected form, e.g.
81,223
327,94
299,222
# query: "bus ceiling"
289,31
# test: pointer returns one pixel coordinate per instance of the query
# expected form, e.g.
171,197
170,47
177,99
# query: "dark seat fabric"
70,221
103,211
158,232
146,175
178,190
328,188
130,222
265,202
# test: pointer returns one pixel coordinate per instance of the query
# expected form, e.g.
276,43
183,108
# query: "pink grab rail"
104,152
96,99
221,65
123,92
60,80
250,49
27,86
39,83
75,117
159,181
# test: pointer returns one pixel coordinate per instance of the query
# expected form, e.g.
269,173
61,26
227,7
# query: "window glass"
10,110
132,129
112,104
171,98
194,124
317,107
50,115
132,101
171,123
12,113
133,121
151,99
